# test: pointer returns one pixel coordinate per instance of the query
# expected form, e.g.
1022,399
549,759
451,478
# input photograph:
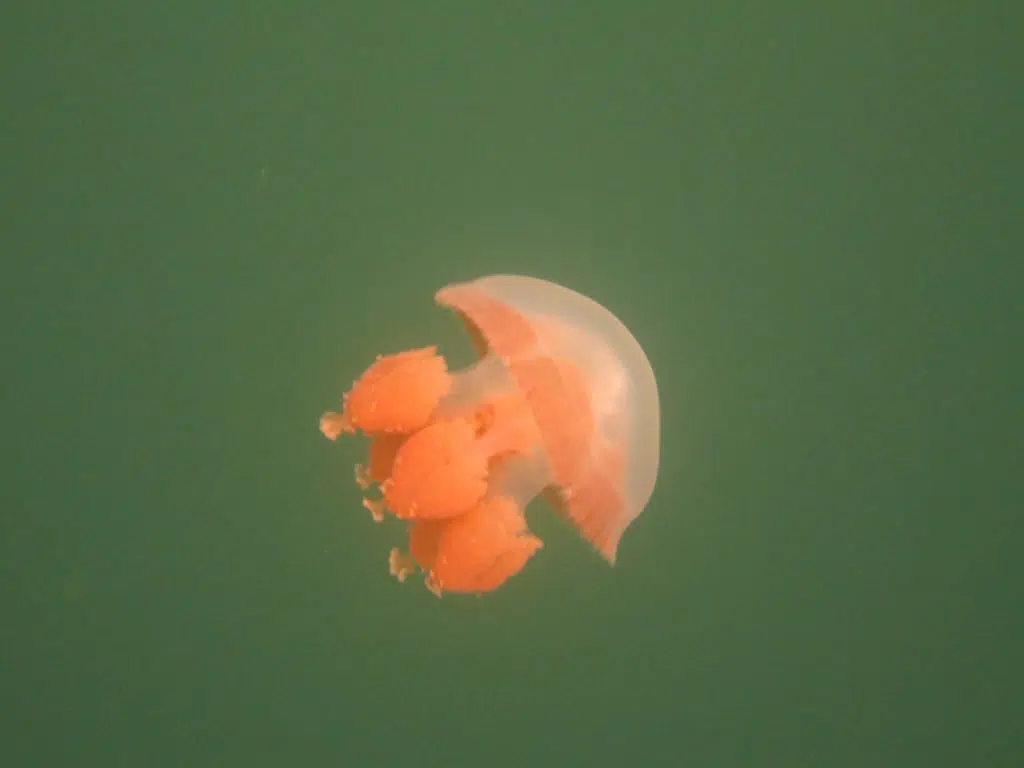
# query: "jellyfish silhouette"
562,403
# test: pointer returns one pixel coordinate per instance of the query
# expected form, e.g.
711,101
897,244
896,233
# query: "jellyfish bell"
561,403
592,391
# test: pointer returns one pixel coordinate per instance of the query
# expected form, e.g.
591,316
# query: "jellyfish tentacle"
397,394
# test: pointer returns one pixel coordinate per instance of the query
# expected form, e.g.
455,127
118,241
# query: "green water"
216,214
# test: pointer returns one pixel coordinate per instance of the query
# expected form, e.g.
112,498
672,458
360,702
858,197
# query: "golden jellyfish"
561,403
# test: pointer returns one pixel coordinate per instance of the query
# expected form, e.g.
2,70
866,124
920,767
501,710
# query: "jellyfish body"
562,403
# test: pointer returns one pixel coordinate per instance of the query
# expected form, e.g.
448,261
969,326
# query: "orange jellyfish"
561,403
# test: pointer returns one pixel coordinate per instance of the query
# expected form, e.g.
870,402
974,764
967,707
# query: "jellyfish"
561,403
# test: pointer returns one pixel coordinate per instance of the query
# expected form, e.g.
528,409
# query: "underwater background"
216,214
